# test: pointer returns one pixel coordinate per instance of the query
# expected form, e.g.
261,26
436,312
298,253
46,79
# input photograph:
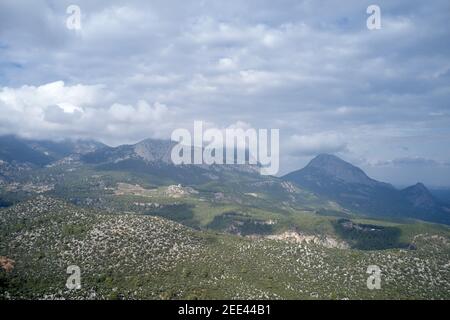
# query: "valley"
140,227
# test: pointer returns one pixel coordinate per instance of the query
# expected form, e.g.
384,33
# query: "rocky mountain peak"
331,165
154,150
420,196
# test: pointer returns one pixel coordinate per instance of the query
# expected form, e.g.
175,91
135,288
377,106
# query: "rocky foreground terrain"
130,256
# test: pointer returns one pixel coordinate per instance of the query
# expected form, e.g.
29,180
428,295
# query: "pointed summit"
154,150
420,197
346,184
420,187
332,166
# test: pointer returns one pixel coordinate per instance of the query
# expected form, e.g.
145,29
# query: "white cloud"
55,110
226,64
325,142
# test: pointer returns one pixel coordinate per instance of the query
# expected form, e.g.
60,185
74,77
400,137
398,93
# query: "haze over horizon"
378,99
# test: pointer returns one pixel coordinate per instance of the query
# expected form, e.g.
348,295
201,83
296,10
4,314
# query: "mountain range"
333,178
327,177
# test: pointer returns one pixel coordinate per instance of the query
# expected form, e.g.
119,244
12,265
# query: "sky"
312,69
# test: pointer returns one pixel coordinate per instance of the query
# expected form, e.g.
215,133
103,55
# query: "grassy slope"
221,266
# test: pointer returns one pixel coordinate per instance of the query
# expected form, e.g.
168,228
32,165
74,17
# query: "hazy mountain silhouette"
348,185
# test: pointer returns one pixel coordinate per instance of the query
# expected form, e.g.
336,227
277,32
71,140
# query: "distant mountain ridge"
153,157
327,176
420,197
341,170
348,185
149,150
43,152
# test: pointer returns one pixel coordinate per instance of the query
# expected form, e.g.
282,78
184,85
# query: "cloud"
141,69
57,114
55,110
226,64
409,161
326,142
